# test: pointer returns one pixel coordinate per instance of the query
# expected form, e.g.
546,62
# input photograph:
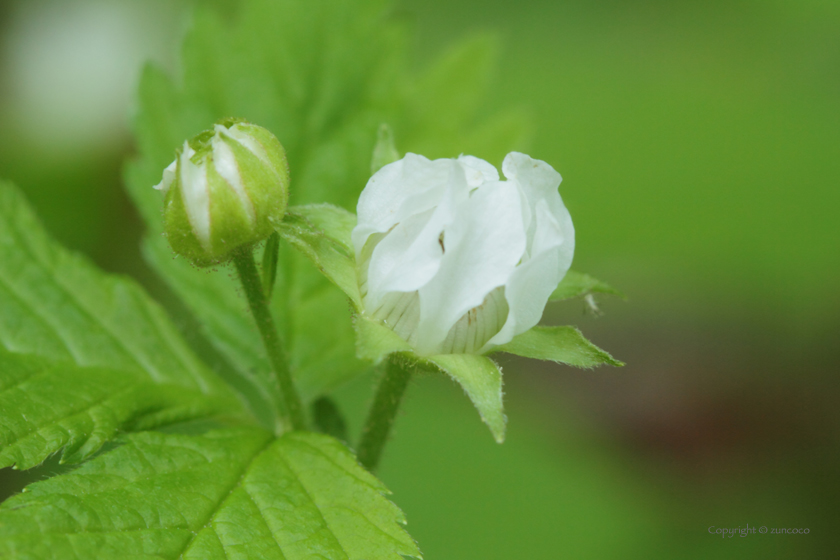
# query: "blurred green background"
700,148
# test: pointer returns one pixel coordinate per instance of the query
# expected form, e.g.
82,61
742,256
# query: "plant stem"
252,283
382,413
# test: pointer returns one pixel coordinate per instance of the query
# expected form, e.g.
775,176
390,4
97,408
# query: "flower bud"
454,259
227,188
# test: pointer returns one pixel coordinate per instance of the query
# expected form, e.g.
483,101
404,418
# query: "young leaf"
576,284
564,345
62,320
481,379
233,493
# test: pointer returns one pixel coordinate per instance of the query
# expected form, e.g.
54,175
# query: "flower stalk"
252,283
383,412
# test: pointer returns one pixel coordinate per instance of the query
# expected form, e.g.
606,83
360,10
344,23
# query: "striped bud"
227,188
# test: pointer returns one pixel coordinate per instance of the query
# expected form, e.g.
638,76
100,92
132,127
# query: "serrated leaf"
564,345
234,493
576,284
481,379
52,405
57,309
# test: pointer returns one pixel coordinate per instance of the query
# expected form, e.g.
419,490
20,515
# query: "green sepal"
334,222
576,284
330,256
375,341
481,379
564,345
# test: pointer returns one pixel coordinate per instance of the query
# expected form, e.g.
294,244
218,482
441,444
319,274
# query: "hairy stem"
253,285
382,413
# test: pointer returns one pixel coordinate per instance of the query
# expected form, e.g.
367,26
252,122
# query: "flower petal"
194,191
483,246
399,190
168,178
550,251
477,170
411,253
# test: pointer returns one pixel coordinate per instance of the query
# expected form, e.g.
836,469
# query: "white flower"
454,259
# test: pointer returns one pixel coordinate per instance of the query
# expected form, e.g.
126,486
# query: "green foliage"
234,493
87,359
52,406
287,66
83,354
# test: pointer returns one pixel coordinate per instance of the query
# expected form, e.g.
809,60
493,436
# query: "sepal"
563,345
576,284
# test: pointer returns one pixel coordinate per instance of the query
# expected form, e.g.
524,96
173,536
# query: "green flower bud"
227,188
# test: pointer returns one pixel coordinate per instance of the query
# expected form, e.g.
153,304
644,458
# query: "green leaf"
55,304
53,405
233,493
481,379
576,284
59,318
564,345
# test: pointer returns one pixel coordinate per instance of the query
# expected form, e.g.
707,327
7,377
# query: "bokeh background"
700,148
